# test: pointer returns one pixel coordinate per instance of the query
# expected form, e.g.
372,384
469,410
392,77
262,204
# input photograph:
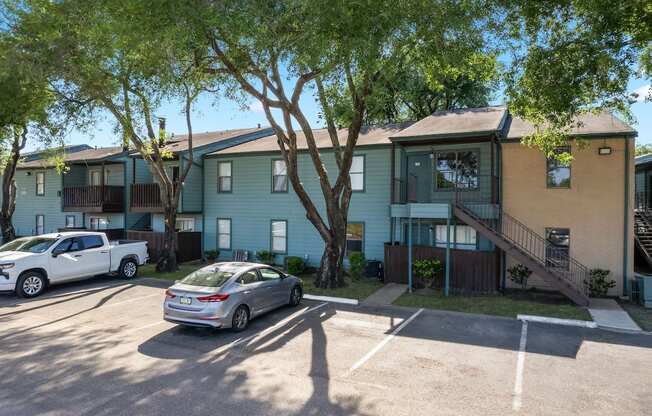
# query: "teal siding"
191,196
251,206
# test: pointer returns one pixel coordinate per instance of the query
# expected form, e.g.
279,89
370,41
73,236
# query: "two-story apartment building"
458,186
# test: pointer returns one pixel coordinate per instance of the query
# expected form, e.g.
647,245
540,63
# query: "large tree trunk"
9,187
331,267
167,261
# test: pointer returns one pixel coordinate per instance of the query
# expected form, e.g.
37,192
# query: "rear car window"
92,241
214,277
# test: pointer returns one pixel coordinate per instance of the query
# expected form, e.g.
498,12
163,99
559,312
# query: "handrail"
92,195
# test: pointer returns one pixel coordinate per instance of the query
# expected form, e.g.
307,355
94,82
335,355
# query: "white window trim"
230,233
284,237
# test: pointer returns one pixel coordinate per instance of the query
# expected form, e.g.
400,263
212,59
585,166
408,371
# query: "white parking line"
520,363
382,343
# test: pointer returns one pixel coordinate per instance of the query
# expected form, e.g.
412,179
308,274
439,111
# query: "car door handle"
77,255
103,252
246,292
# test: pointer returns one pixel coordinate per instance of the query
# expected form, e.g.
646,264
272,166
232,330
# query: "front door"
419,178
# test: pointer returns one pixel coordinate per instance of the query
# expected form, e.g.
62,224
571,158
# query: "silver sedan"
229,295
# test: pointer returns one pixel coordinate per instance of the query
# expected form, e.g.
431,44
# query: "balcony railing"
93,198
145,197
479,189
642,201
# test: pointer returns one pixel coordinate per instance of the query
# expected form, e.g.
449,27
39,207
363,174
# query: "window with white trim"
461,237
40,183
224,234
70,221
40,225
185,224
279,176
99,223
279,231
357,173
224,177
354,237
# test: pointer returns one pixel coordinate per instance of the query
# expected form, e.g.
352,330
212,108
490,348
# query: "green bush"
519,274
599,283
212,255
265,256
427,270
295,265
357,264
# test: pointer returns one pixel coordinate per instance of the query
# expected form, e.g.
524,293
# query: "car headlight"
6,265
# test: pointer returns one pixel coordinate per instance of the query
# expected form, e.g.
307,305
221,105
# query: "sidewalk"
386,295
608,314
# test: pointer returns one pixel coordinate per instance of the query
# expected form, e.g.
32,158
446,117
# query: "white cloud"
256,107
643,92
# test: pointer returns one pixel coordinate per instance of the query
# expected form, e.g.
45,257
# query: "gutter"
626,227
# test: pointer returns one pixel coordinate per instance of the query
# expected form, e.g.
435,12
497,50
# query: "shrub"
212,255
599,282
427,270
295,265
265,256
519,274
357,264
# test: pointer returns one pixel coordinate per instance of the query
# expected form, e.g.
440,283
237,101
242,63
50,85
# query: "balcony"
145,197
93,198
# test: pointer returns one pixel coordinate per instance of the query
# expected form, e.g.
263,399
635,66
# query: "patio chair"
240,255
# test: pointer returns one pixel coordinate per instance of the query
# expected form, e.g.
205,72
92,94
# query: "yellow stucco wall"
593,207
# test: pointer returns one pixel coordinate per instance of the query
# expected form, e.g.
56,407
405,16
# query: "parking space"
101,347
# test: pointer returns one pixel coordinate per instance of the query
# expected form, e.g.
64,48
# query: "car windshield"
213,277
29,245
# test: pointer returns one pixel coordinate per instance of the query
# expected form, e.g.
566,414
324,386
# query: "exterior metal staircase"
643,233
553,265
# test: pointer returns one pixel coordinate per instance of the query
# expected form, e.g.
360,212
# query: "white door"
66,261
97,259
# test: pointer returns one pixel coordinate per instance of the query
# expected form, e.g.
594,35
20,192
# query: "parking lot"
101,347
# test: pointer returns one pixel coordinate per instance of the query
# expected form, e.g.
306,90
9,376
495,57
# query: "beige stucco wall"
593,207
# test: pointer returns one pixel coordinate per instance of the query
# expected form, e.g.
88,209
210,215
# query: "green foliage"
519,274
357,264
212,255
295,265
265,257
643,149
599,283
427,270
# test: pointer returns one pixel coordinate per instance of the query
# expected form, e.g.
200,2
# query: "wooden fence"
188,244
471,271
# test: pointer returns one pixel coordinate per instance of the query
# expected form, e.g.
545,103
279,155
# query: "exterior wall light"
604,150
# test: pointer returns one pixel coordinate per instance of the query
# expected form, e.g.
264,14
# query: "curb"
346,301
557,321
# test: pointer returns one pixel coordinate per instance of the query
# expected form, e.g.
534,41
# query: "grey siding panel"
251,206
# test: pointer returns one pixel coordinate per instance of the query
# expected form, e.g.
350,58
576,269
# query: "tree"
111,56
275,51
643,149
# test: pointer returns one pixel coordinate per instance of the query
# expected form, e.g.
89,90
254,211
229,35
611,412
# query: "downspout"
626,219
124,197
503,257
448,251
203,208
392,191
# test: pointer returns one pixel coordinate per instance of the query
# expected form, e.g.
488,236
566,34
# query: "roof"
36,154
368,136
179,143
602,124
466,122
86,156
643,160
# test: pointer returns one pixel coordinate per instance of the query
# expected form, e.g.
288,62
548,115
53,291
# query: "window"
357,173
269,274
40,225
248,278
224,234
185,224
557,249
354,237
40,183
224,177
279,236
279,176
462,237
68,245
98,223
559,174
456,170
70,221
92,241
94,177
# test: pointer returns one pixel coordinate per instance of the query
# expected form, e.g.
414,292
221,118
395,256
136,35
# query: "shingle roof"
466,122
180,143
88,155
368,136
643,159
604,123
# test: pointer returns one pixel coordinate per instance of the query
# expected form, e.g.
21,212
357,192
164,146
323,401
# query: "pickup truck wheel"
128,269
30,285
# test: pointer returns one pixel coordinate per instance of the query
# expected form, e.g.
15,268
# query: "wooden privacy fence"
471,271
188,244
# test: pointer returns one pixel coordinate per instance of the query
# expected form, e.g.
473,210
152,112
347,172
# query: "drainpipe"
503,257
448,251
626,227
410,253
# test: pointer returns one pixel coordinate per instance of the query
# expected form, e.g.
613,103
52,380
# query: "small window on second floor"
40,183
279,176
357,173
559,173
224,178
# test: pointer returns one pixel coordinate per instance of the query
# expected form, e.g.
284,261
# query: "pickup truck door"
65,263
96,258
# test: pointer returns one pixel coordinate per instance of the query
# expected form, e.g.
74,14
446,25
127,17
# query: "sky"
213,114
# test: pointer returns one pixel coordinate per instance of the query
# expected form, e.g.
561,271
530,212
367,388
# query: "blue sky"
220,114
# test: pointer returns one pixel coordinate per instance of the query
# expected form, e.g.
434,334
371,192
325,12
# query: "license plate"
185,301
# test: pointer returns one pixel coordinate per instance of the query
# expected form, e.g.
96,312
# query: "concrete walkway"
385,295
608,314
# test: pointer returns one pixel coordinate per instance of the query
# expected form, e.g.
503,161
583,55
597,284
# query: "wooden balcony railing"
93,198
145,197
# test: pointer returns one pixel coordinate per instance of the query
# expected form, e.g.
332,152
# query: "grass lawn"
642,316
509,305
149,270
359,289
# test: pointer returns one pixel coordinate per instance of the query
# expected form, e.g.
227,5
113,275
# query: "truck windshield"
213,277
29,245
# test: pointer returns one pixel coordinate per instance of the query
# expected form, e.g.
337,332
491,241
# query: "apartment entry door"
419,178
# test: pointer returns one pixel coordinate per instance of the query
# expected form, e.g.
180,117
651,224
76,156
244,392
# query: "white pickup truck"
28,265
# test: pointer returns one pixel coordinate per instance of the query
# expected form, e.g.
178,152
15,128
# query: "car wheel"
30,285
240,319
295,296
128,269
